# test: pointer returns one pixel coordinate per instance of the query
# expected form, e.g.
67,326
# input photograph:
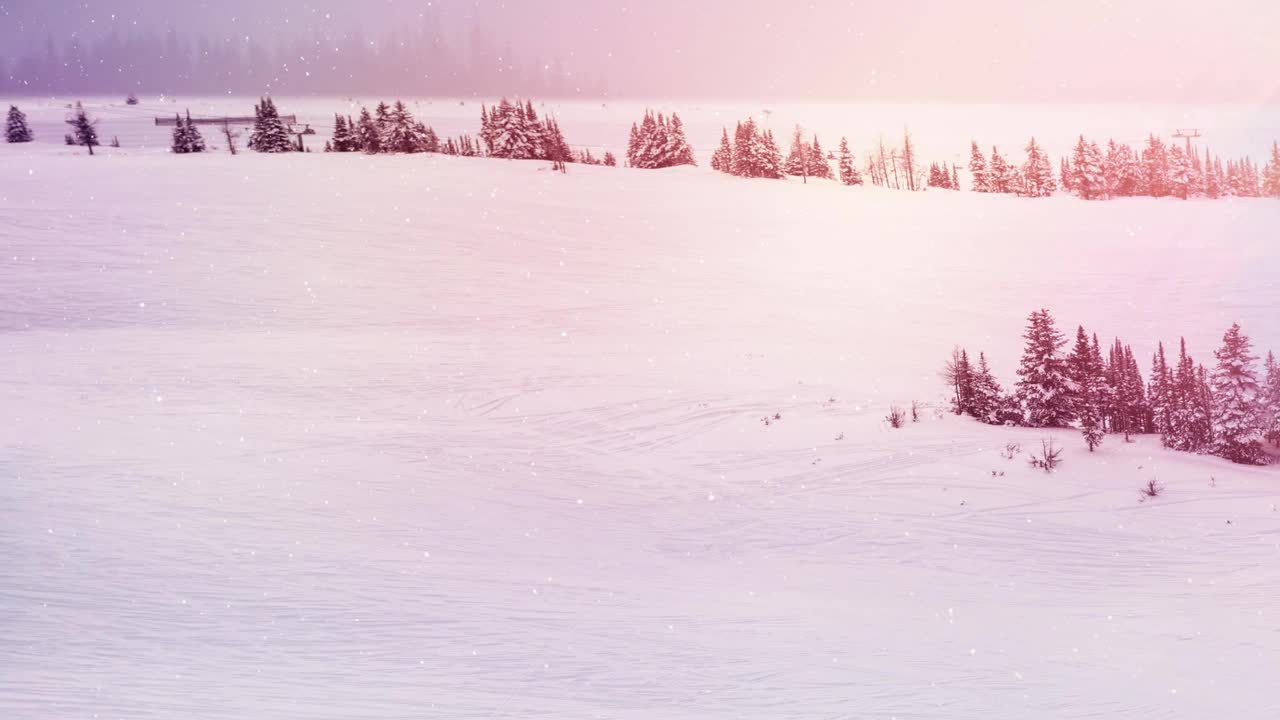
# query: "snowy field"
313,437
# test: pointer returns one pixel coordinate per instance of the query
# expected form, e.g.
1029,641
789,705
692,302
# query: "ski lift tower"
1187,135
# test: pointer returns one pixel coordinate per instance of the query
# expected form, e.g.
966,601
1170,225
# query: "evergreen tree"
978,169
16,128
679,151
770,157
817,159
1271,176
84,130
1161,396
1088,395
1181,179
1037,172
955,178
1237,428
722,159
1087,181
797,160
1155,167
186,136
366,134
269,133
985,394
610,160
343,138
1065,173
849,174
1271,400
1001,176
1044,386
399,133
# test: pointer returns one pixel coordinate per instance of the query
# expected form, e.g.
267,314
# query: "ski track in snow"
348,437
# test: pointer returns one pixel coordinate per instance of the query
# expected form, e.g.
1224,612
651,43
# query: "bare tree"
231,137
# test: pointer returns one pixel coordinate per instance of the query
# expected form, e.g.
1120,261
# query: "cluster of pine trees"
1229,411
1034,178
388,129
753,153
16,129
269,132
806,159
514,131
658,143
942,178
186,136
1161,170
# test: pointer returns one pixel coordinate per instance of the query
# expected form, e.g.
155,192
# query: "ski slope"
322,437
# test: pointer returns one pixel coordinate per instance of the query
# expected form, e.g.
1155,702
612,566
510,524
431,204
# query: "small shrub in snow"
1011,450
896,417
1152,489
915,411
1050,456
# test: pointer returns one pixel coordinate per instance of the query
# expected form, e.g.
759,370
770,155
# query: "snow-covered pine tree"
1000,176
1155,167
382,122
342,137
978,169
986,396
1065,173
1190,423
399,133
539,134
745,149
16,129
1271,400
795,164
84,130
1044,386
366,134
1237,428
955,178
1161,395
1181,177
178,146
269,133
648,143
428,141
1106,393
770,156
609,159
1271,176
1088,396
511,138
195,141
555,141
722,158
679,151
487,133
816,159
1087,180
1037,172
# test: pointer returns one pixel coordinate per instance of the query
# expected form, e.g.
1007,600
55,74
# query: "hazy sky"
1174,50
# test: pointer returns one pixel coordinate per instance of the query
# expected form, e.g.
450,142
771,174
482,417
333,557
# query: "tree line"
1229,410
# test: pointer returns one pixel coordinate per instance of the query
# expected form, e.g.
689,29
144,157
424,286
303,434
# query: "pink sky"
1163,50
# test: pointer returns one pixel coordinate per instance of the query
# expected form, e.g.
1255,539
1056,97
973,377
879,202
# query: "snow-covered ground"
349,437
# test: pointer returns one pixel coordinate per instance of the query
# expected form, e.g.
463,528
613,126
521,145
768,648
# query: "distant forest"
426,61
